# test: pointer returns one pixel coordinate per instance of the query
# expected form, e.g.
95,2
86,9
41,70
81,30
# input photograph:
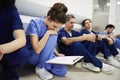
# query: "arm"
117,36
16,44
88,37
58,54
37,44
109,38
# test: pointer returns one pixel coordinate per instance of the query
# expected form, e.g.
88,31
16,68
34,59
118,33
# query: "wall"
114,15
37,8
79,7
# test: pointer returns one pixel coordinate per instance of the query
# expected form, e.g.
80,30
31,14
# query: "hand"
1,53
60,55
110,40
1,56
90,37
99,37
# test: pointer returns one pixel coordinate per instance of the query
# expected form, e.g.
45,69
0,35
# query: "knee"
24,52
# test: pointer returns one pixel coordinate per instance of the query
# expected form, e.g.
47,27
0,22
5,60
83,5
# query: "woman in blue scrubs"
42,36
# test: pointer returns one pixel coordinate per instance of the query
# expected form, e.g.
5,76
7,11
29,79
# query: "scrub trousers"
46,54
12,61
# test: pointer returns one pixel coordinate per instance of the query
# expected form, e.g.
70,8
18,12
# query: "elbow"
37,51
23,42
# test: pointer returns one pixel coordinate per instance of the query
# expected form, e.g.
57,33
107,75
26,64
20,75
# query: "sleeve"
61,34
16,22
102,33
32,28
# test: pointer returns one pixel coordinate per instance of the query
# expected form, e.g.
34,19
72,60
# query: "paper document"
68,60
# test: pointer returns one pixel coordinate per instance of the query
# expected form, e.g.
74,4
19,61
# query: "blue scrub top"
9,21
63,33
36,27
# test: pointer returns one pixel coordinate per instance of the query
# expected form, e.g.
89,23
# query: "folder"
67,60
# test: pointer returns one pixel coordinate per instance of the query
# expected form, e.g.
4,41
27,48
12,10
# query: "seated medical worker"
115,38
42,38
100,44
69,43
13,54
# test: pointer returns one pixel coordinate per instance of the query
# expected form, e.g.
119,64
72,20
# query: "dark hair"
69,16
83,23
58,12
109,26
7,3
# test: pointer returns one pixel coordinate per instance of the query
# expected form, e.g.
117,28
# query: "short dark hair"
83,22
109,26
69,16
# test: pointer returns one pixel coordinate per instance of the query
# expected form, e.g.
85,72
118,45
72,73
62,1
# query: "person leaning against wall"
100,45
114,38
41,41
13,54
70,44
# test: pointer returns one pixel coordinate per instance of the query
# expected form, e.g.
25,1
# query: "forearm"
13,45
41,44
56,52
68,41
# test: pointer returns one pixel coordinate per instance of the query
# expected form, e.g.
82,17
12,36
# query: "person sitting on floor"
13,53
69,43
115,38
41,41
100,44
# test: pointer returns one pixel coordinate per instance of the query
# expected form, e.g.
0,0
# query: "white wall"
114,15
79,7
38,8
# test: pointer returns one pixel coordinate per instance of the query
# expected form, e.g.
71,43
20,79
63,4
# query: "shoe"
91,67
113,62
117,57
108,69
43,74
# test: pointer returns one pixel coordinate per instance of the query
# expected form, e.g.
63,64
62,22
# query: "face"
88,24
109,30
54,25
70,24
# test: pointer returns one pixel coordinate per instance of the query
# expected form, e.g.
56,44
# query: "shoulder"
37,21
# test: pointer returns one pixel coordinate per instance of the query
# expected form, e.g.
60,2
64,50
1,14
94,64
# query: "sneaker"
108,69
113,62
43,74
117,57
91,67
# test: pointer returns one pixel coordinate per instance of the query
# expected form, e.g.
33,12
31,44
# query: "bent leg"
59,70
104,48
47,52
117,43
78,49
13,60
